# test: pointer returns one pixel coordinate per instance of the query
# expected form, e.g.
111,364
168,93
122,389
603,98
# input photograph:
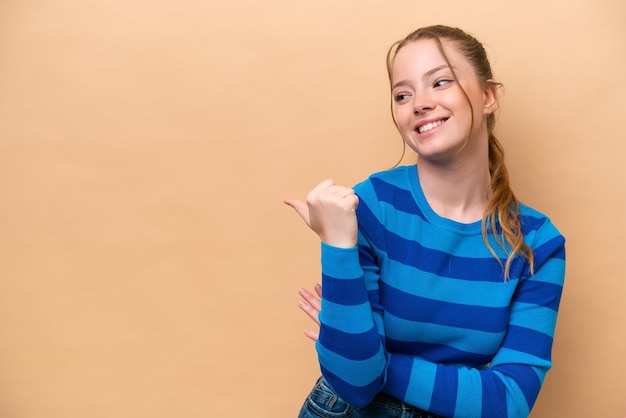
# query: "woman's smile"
424,127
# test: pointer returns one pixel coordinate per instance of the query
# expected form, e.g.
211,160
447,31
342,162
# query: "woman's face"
431,111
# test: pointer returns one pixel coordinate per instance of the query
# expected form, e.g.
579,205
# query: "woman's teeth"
429,126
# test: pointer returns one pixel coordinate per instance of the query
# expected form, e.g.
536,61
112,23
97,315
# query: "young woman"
440,289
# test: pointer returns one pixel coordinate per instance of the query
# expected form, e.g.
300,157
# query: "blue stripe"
399,385
343,317
400,199
370,223
553,248
540,293
348,292
424,284
366,256
505,356
340,262
412,253
355,372
335,340
494,397
534,317
374,297
530,223
409,227
480,318
444,393
359,396
528,341
471,341
527,380
469,395
439,353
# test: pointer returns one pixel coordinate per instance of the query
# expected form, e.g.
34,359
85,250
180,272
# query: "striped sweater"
419,308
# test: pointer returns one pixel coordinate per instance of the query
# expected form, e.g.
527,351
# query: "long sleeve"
351,347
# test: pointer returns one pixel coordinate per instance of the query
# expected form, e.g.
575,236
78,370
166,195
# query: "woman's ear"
490,101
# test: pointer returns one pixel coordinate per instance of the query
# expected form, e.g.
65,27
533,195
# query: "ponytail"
503,210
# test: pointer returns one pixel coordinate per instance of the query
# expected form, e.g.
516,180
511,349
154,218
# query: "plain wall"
147,265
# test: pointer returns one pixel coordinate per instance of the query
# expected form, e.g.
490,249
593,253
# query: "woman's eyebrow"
426,74
434,70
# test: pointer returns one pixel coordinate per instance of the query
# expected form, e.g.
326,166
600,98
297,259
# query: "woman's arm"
511,383
350,344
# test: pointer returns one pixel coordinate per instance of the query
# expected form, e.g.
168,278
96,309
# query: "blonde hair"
503,207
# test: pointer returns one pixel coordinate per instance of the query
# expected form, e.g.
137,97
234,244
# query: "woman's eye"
400,97
441,83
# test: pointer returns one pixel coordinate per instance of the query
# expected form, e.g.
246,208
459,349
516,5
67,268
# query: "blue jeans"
323,402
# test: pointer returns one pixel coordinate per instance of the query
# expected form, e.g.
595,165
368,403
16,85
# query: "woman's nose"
422,106
422,102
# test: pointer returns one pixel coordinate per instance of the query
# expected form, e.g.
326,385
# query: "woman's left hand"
311,305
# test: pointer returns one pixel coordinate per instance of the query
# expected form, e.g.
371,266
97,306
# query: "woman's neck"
458,192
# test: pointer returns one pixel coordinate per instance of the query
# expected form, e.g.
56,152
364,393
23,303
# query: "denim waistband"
324,402
386,401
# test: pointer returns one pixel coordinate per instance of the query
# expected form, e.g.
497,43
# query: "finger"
352,201
318,289
310,311
341,191
311,299
323,185
319,190
346,195
300,207
312,334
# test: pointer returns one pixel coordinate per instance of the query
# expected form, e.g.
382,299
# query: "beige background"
147,265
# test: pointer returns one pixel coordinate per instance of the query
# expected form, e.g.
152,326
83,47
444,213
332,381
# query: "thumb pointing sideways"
300,207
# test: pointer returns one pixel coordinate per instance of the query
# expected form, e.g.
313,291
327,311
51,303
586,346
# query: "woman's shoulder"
397,177
535,222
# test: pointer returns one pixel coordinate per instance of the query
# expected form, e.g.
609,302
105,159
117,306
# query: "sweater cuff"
341,263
